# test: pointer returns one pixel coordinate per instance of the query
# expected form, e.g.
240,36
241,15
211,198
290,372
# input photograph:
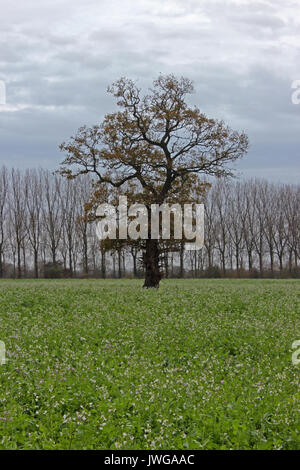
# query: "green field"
199,364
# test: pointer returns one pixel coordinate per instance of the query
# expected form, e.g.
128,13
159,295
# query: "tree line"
252,229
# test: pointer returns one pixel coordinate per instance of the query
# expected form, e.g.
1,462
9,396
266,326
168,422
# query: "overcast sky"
57,58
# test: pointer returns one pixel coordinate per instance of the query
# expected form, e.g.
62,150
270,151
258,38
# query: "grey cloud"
58,57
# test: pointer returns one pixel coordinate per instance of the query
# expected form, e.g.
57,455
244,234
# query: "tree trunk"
85,253
1,263
134,256
103,264
114,265
181,259
151,261
70,261
237,261
24,261
272,261
36,264
223,261
19,260
119,263
166,260
250,261
261,267
290,261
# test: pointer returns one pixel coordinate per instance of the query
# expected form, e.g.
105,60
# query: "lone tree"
157,142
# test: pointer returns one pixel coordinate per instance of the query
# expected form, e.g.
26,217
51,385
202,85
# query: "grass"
199,364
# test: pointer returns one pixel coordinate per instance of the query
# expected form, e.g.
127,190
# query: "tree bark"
151,261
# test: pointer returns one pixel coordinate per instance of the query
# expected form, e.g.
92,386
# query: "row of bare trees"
41,224
251,228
